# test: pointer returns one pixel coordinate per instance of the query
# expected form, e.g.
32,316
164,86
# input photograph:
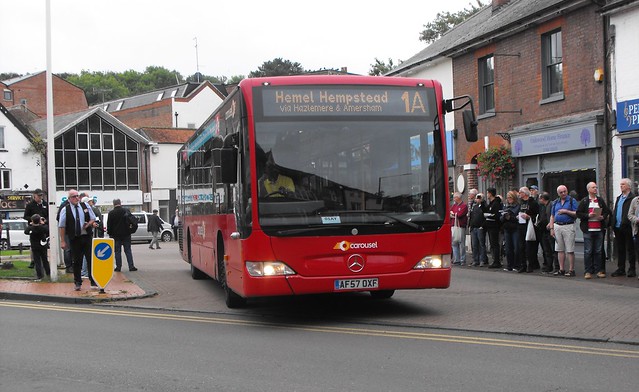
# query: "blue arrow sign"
103,251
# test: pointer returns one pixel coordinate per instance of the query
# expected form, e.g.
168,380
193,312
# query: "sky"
233,37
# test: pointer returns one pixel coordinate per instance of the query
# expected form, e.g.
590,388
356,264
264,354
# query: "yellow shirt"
281,182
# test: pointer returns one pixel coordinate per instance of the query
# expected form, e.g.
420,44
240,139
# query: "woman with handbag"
459,217
510,224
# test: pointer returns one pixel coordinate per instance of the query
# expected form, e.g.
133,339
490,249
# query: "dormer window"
120,105
173,93
160,95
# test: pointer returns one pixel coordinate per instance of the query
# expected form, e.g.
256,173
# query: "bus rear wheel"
195,273
382,294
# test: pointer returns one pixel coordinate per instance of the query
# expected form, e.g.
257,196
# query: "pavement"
479,299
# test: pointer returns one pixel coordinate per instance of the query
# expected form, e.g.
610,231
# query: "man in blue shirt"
77,221
562,228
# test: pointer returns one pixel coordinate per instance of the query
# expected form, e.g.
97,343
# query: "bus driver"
274,184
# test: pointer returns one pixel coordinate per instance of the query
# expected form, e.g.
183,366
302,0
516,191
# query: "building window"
2,138
5,179
104,159
8,96
486,84
552,63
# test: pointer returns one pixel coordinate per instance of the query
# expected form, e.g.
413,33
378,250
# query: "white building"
20,165
624,89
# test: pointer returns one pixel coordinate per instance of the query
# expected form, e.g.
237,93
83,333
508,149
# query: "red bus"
320,184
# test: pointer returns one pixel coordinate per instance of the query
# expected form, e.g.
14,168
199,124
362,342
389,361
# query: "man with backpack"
154,226
120,224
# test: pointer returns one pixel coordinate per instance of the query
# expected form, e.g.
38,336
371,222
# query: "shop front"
566,152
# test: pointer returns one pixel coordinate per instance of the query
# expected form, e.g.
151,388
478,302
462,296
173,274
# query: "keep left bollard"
102,261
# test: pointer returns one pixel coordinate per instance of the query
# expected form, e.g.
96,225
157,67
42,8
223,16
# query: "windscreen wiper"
410,224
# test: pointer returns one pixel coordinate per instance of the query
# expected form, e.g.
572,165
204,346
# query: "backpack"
132,221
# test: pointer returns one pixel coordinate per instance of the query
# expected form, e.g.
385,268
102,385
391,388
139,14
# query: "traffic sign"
102,261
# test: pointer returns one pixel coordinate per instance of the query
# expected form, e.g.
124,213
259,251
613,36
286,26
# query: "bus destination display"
345,101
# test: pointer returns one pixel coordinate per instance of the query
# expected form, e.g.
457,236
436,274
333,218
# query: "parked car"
15,235
142,235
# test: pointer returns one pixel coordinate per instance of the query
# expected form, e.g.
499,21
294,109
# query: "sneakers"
570,273
158,248
601,274
559,273
78,287
133,269
117,269
587,275
618,273
631,274
150,247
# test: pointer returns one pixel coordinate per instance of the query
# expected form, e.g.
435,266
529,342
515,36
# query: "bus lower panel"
298,285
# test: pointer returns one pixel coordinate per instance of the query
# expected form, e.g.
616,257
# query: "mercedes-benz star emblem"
355,263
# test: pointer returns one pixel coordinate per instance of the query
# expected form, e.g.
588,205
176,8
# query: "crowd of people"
528,221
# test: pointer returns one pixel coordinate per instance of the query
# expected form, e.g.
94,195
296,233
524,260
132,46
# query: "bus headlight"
268,268
434,261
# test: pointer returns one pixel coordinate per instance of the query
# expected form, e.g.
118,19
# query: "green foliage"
496,164
445,21
8,75
38,144
99,86
380,67
277,67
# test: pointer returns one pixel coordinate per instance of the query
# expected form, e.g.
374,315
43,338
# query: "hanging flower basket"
496,164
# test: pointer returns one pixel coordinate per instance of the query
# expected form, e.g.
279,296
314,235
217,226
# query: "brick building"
29,91
529,65
184,105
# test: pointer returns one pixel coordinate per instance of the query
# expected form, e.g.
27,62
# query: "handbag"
530,231
456,232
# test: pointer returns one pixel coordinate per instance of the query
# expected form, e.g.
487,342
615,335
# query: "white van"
13,234
142,235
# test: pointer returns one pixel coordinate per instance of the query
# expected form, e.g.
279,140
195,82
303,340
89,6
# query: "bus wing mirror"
470,125
228,160
468,116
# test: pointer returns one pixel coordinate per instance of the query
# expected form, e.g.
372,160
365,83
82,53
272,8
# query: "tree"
277,67
8,75
98,86
380,67
445,21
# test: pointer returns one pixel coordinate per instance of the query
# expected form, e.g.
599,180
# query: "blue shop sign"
628,115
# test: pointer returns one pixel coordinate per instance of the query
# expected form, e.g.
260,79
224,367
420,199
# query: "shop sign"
568,139
628,115
14,202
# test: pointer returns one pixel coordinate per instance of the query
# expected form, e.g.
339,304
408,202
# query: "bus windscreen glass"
376,168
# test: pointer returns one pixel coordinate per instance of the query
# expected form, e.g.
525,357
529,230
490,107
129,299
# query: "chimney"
345,69
497,4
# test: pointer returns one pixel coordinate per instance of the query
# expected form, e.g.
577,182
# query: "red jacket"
461,211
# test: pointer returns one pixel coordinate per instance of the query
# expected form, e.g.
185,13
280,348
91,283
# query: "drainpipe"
608,49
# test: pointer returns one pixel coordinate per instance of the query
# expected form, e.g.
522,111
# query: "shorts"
564,238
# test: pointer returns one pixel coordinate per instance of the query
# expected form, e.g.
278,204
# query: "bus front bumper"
298,285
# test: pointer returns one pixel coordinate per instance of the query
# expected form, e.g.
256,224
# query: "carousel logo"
345,245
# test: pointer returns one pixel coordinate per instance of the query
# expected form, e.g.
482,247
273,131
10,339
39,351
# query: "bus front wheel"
232,299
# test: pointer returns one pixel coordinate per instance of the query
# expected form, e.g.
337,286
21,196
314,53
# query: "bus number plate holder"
356,284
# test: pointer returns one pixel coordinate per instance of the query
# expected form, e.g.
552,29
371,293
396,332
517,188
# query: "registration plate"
356,284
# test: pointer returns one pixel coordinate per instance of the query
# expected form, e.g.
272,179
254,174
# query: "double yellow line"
338,330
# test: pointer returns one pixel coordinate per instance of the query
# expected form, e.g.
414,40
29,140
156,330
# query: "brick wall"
518,79
67,98
156,115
